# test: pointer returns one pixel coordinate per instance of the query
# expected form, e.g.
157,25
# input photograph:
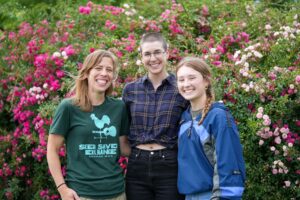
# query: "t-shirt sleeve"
61,120
124,121
125,93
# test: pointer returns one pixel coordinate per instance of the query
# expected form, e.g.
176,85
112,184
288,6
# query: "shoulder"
64,107
172,80
172,77
217,113
133,87
220,115
218,108
114,101
134,83
66,103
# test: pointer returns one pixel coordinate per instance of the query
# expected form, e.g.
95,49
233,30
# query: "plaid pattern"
154,114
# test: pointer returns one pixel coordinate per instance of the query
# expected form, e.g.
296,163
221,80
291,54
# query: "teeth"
101,81
187,91
154,65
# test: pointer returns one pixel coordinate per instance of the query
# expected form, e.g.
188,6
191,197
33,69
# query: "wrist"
62,188
60,185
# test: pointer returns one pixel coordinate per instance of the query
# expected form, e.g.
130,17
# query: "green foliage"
252,46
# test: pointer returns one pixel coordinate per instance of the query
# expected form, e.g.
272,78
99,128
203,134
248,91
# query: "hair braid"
209,102
205,110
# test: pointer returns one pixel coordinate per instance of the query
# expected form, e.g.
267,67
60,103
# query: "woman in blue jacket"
210,156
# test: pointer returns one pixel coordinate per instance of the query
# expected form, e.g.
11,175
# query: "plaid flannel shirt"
154,115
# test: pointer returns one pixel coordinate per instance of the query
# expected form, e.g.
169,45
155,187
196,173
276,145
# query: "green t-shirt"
92,145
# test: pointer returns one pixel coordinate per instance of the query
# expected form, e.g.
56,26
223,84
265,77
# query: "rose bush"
253,48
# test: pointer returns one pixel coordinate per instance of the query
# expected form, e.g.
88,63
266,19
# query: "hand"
67,193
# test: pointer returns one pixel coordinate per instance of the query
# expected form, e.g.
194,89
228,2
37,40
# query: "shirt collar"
170,79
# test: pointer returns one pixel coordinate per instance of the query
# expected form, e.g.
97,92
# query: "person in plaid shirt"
155,107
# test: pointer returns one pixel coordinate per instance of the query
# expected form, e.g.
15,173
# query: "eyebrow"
109,66
156,50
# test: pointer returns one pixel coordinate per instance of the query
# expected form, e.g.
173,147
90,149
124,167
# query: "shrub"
253,48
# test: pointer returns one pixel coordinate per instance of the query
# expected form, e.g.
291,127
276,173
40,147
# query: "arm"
123,139
55,142
229,169
124,146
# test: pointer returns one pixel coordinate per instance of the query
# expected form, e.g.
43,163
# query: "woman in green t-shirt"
94,129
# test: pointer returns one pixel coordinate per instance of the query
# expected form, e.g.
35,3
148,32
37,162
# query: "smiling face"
191,84
100,77
154,57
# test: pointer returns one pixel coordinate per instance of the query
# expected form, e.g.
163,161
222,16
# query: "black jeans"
152,175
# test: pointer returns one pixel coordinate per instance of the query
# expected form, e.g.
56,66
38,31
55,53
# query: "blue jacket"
210,155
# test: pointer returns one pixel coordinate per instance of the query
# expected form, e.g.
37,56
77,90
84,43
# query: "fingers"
76,197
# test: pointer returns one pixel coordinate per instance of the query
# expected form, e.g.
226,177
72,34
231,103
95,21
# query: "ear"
115,77
142,60
167,54
206,83
85,76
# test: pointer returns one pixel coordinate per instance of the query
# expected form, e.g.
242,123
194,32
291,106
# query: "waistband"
159,152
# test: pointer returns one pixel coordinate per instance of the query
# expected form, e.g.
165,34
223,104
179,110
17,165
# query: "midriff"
150,147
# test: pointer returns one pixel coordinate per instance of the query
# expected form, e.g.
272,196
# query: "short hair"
153,37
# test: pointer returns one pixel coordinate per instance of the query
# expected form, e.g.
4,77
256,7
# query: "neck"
97,98
199,103
156,80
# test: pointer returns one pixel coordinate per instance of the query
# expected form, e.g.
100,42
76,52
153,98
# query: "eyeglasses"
156,54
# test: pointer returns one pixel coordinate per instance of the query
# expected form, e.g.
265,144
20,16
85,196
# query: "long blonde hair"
204,69
80,88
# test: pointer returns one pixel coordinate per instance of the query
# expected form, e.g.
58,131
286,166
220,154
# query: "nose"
103,72
152,57
186,83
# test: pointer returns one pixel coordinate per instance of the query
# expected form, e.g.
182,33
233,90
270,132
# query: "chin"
187,97
102,90
156,71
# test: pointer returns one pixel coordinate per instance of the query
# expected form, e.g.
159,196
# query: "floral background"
253,48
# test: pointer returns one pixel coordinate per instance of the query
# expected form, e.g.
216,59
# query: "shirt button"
151,152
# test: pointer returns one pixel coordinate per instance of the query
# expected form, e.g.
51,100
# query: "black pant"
152,175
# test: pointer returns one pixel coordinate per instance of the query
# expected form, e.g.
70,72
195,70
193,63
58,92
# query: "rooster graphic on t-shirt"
103,125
